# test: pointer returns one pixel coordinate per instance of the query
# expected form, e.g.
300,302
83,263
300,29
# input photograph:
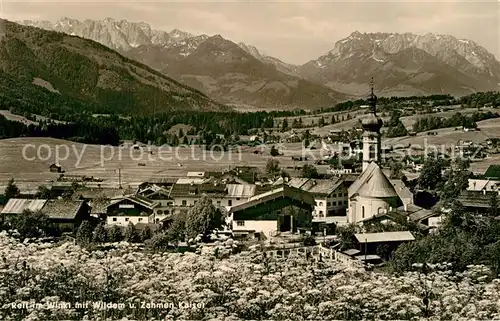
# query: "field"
104,161
207,286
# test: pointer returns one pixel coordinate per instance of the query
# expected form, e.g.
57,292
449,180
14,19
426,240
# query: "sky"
294,31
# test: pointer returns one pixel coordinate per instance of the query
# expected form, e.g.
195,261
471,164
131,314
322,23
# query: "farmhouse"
54,168
132,208
284,209
66,214
477,201
330,196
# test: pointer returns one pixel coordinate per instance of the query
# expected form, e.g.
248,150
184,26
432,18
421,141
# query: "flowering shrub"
48,281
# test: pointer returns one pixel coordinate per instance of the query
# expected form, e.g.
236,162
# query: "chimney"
484,191
405,207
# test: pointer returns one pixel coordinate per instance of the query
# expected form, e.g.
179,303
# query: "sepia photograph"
249,160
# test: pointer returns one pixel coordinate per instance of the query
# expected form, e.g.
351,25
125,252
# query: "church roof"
373,183
377,185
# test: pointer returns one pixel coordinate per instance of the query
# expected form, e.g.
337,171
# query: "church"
372,192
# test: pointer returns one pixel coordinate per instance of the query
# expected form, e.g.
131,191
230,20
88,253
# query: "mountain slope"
222,69
87,74
245,79
422,64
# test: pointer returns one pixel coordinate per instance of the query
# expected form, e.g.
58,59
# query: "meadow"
54,281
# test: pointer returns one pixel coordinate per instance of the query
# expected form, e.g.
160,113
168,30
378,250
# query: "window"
240,223
379,210
328,203
114,219
184,203
218,203
373,153
159,212
237,198
321,213
334,203
345,194
362,212
230,202
320,203
140,219
126,219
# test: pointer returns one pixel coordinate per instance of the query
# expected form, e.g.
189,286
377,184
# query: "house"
370,243
223,195
54,168
196,174
67,214
477,201
132,208
330,196
283,209
16,206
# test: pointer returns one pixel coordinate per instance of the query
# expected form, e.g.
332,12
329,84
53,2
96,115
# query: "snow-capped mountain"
418,61
284,67
121,35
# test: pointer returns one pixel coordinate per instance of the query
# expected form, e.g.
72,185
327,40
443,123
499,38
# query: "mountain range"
41,69
236,73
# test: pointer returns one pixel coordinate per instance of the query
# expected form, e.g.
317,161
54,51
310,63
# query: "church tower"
371,132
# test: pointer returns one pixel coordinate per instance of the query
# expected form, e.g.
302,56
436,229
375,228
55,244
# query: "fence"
316,252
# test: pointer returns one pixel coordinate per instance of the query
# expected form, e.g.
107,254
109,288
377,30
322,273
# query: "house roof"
416,213
95,193
190,181
351,252
316,186
18,205
190,190
384,237
240,190
493,171
401,189
283,191
376,184
483,184
477,199
136,199
62,209
196,174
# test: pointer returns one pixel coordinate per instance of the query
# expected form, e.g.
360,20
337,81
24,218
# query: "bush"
308,240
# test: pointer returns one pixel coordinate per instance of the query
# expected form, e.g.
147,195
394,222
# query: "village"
357,184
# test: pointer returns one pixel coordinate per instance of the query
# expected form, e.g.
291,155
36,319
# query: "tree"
33,224
203,218
430,176
272,168
321,122
494,204
85,233
396,169
100,235
284,125
43,192
333,120
346,235
177,229
131,235
309,171
115,234
11,191
274,151
146,233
